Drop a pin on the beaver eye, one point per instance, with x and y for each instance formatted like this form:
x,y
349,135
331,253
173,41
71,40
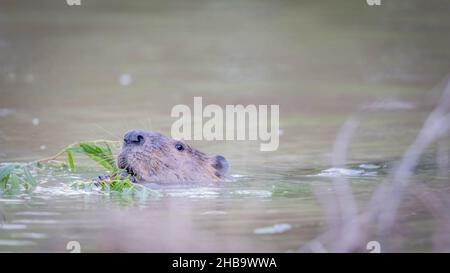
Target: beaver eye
x,y
179,147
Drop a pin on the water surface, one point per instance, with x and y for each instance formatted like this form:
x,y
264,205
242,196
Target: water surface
x,y
93,72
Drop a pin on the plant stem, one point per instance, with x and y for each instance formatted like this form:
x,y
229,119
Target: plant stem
x,y
74,144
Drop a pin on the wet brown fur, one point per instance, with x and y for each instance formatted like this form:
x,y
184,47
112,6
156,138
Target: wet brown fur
x,y
158,160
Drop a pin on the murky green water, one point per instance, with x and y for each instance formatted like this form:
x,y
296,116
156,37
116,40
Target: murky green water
x,y
60,82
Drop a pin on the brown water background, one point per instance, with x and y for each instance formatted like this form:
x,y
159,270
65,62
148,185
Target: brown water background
x,y
60,71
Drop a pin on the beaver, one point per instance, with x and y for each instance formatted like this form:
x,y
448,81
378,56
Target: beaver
x,y
153,157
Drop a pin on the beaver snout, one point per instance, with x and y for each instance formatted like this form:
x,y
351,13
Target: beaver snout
x,y
134,137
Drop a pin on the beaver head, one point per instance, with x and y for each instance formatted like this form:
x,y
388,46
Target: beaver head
x,y
152,157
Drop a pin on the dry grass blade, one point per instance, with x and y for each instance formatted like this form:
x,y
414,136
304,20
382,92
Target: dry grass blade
x,y
352,229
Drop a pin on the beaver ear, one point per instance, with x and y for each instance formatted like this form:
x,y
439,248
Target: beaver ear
x,y
220,164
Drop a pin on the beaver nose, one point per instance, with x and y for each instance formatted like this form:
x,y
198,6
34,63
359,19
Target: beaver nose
x,y
134,137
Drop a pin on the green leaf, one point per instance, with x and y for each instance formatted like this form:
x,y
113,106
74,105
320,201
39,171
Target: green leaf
x,y
103,156
5,173
14,183
6,170
28,177
70,159
4,182
29,181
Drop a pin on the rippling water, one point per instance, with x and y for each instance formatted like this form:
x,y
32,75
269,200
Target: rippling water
x,y
263,213
184,218
93,73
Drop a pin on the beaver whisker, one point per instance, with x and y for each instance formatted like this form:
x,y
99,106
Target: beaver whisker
x,y
132,167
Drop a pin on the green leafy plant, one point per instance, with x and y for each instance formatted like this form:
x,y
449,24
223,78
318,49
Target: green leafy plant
x,y
101,154
15,178
100,151
116,184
